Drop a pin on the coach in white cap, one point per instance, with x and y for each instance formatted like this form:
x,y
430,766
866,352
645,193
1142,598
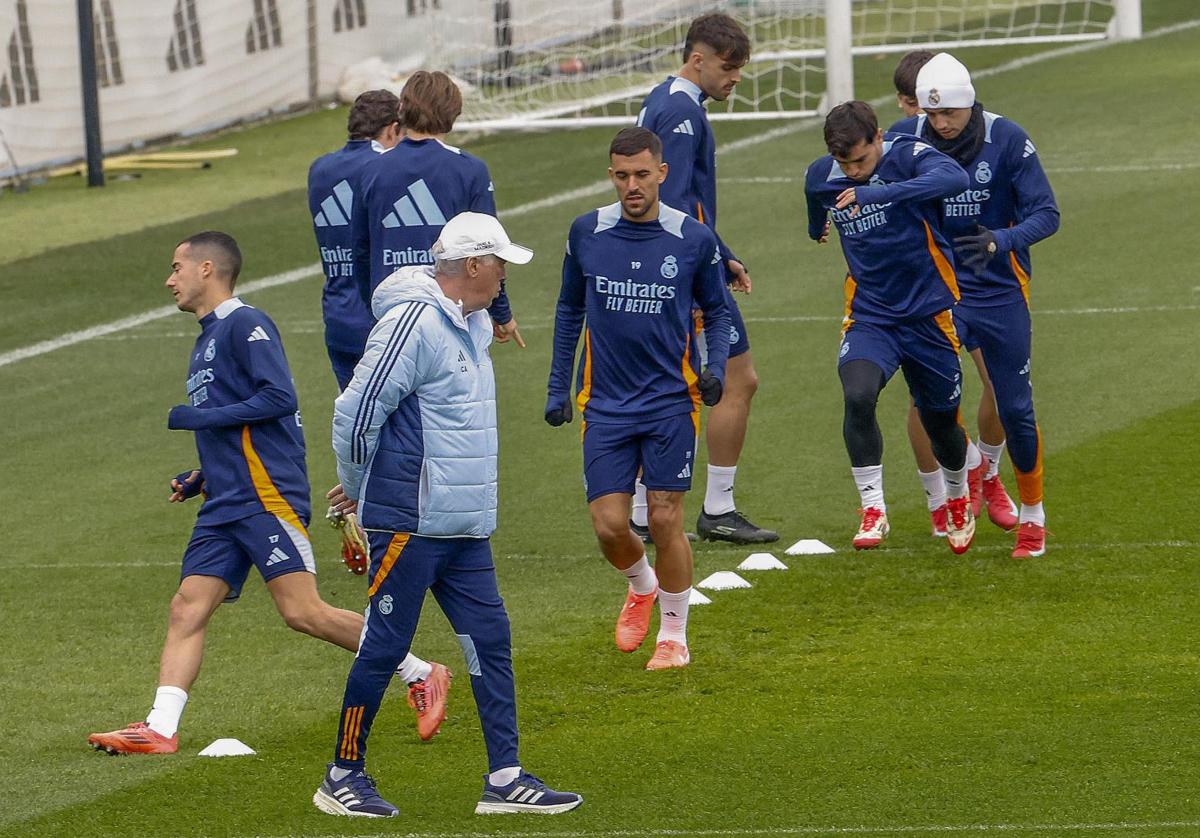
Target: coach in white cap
x,y
416,443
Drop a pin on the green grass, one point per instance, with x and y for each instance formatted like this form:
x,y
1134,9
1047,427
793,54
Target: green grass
x,y
892,690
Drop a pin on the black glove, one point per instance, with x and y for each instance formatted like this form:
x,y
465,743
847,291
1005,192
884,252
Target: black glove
x,y
710,388
558,413
189,486
977,250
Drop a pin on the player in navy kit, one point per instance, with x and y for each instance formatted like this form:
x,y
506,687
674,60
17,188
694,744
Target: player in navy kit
x,y
1007,207
714,52
883,193
982,476
632,273
374,127
408,194
242,407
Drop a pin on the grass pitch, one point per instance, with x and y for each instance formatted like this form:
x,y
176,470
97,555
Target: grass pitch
x,y
904,691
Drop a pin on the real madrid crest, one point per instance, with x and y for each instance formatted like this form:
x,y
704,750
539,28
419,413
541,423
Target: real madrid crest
x,y
983,172
669,269
210,351
934,97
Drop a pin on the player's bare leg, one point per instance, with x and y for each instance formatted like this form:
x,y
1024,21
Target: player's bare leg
x,y
303,610
725,437
673,564
625,551
183,651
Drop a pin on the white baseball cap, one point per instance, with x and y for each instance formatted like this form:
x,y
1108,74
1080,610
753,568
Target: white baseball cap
x,y
944,82
476,234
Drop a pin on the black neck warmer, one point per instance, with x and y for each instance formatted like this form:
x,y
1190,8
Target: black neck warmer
x,y
966,146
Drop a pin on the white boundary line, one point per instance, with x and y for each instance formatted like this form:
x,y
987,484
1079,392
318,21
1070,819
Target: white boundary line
x,y
934,829
880,553
597,188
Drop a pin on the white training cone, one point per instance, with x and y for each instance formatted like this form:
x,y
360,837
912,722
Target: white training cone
x,y
762,561
723,580
227,748
808,547
697,598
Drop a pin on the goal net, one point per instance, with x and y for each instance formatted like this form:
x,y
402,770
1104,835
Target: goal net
x,y
532,63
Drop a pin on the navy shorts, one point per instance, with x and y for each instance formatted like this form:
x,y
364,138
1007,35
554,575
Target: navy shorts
x,y
926,350
227,551
664,451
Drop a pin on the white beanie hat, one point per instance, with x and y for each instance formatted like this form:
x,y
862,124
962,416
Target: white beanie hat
x,y
944,83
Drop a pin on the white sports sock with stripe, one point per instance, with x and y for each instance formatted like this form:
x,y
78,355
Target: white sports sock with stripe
x,y
993,454
673,615
935,488
641,576
413,669
164,716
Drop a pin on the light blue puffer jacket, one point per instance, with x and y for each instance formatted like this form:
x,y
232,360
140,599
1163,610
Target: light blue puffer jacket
x,y
415,431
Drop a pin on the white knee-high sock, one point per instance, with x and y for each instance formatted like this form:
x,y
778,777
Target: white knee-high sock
x,y
993,454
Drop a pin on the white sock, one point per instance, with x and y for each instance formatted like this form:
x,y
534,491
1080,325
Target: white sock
x,y
869,480
641,576
1033,514
338,774
639,504
993,454
974,458
956,482
168,706
718,493
413,669
504,776
935,488
673,614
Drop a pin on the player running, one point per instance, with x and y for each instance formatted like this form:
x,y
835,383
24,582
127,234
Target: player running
x,y
883,193
631,275
714,52
1007,207
243,408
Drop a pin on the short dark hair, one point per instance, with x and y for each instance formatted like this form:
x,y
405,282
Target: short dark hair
x,y
430,102
634,140
849,124
722,33
905,77
220,249
371,112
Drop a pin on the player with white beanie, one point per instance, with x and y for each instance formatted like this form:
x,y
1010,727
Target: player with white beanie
x,y
1008,207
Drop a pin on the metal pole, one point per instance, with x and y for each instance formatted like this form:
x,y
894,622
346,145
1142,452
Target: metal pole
x,y
91,94
839,61
1127,19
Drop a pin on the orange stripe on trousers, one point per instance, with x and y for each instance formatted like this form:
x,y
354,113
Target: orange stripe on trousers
x,y
394,549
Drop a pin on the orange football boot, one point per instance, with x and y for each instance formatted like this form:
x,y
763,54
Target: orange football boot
x,y
428,698
669,654
137,738
634,620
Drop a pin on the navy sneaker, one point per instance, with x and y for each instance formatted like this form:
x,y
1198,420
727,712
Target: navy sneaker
x,y
644,533
525,794
354,795
734,527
